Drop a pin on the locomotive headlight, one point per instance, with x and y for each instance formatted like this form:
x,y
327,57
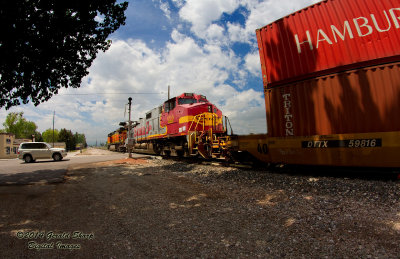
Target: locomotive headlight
x,y
209,108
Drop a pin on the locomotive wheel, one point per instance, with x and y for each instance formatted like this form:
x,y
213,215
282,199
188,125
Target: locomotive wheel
x,y
157,149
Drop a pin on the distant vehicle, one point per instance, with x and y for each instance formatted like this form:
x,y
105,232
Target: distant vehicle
x,y
30,151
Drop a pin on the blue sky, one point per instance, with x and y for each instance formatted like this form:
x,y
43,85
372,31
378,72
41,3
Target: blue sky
x,y
203,46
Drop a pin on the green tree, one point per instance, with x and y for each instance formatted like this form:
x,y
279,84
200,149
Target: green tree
x,y
47,45
16,123
80,139
67,137
47,135
38,137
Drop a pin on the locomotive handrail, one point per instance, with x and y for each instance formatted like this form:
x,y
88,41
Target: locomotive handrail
x,y
201,118
196,119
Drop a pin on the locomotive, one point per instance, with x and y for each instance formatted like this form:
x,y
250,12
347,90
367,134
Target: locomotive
x,y
184,125
116,139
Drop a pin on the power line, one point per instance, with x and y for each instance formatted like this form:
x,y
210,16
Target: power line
x,y
109,93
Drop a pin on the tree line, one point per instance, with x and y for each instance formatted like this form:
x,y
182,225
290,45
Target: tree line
x,y
16,124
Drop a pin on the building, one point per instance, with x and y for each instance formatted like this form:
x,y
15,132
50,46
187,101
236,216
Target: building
x,y
6,145
9,145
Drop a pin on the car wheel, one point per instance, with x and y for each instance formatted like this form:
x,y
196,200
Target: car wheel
x,y
28,159
57,157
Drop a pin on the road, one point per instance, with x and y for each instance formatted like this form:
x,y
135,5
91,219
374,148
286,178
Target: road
x,y
15,171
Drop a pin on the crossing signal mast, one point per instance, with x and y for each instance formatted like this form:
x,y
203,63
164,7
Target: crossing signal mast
x,y
129,138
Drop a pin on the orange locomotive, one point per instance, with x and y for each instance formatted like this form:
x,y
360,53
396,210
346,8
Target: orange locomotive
x,y
116,140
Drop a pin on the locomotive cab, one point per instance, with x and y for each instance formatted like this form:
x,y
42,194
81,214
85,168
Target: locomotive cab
x,y
180,112
169,105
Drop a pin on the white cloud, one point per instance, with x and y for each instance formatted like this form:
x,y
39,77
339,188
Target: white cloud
x,y
246,111
202,13
215,35
252,63
164,6
178,3
237,33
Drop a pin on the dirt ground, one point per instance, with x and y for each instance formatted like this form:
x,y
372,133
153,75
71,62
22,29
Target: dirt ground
x,y
92,152
156,208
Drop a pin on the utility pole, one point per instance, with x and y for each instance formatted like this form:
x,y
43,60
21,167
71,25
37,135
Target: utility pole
x,y
168,92
54,114
129,128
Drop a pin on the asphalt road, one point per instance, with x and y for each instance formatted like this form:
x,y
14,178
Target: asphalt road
x,y
15,171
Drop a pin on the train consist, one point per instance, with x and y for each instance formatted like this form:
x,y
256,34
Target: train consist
x,y
331,76
183,126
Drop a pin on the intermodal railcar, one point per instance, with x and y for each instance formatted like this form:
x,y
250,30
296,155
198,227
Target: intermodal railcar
x,y
331,75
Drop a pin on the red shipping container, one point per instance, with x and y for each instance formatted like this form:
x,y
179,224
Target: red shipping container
x,y
328,37
358,101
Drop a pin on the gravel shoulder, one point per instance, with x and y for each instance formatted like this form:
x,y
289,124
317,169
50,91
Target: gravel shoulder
x,y
160,208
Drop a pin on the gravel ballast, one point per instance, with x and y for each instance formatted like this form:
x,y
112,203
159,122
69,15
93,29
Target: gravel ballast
x,y
163,208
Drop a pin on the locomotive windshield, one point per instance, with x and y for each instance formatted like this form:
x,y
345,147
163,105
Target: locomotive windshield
x,y
186,101
169,105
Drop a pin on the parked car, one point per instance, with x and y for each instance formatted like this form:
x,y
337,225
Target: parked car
x,y
30,151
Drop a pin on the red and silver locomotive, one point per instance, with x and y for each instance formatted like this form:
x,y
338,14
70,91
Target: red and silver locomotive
x,y
184,125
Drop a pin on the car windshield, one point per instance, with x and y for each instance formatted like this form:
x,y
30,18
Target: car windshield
x,y
186,101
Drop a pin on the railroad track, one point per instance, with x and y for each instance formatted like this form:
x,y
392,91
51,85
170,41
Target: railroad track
x,y
365,173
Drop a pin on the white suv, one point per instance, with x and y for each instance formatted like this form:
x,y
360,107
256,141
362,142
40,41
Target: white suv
x,y
30,151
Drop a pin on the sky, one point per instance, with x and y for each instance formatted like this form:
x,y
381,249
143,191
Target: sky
x,y
206,47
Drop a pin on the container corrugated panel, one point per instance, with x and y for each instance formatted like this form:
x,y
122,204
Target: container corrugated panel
x,y
329,37
357,101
